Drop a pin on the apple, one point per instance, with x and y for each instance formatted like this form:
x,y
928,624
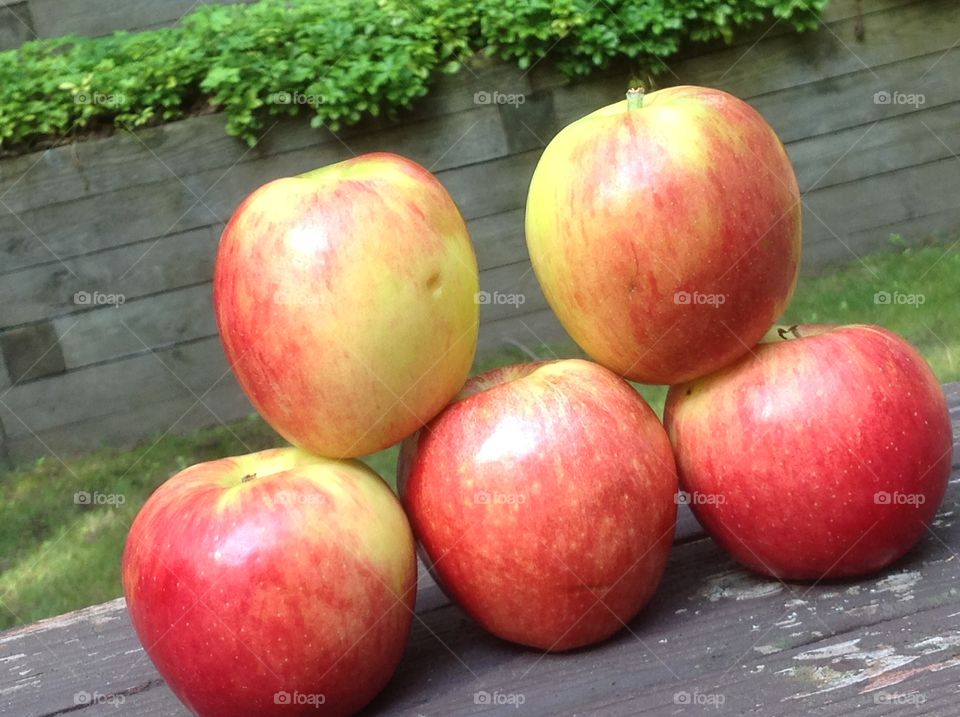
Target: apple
x,y
276,583
665,232
346,302
825,453
543,498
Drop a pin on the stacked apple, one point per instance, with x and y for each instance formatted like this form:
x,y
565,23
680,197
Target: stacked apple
x,y
665,232
283,582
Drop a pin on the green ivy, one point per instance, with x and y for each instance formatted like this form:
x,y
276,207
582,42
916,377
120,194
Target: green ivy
x,y
339,60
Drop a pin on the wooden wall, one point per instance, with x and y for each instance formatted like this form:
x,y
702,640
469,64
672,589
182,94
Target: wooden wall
x,y
24,20
140,215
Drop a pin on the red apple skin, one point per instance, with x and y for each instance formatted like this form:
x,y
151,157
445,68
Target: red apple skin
x,y
346,303
301,580
789,453
580,484
692,192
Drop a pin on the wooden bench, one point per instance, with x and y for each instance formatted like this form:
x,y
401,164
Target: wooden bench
x,y
715,640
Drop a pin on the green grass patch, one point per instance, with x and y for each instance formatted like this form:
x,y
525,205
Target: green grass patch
x,y
913,292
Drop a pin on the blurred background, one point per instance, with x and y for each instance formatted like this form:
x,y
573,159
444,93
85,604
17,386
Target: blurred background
x,y
129,132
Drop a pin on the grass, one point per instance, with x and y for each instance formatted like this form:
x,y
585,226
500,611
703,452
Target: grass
x,y
931,275
57,555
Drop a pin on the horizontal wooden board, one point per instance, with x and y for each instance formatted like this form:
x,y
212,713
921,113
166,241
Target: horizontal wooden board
x,y
178,204
132,270
855,213
200,144
915,230
545,75
499,238
779,61
132,422
53,18
108,333
457,92
51,235
16,25
106,389
530,330
884,145
789,60
848,100
509,291
504,181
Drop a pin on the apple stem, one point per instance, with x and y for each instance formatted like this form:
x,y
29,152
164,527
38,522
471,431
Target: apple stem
x,y
635,97
248,477
783,331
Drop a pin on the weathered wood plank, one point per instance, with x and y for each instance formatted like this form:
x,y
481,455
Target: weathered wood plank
x,y
135,214
53,18
853,219
173,317
130,423
178,204
885,145
532,330
200,144
891,35
498,238
899,33
92,654
505,182
545,75
105,389
152,288
186,314
16,25
132,270
897,178
847,100
458,92
509,291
